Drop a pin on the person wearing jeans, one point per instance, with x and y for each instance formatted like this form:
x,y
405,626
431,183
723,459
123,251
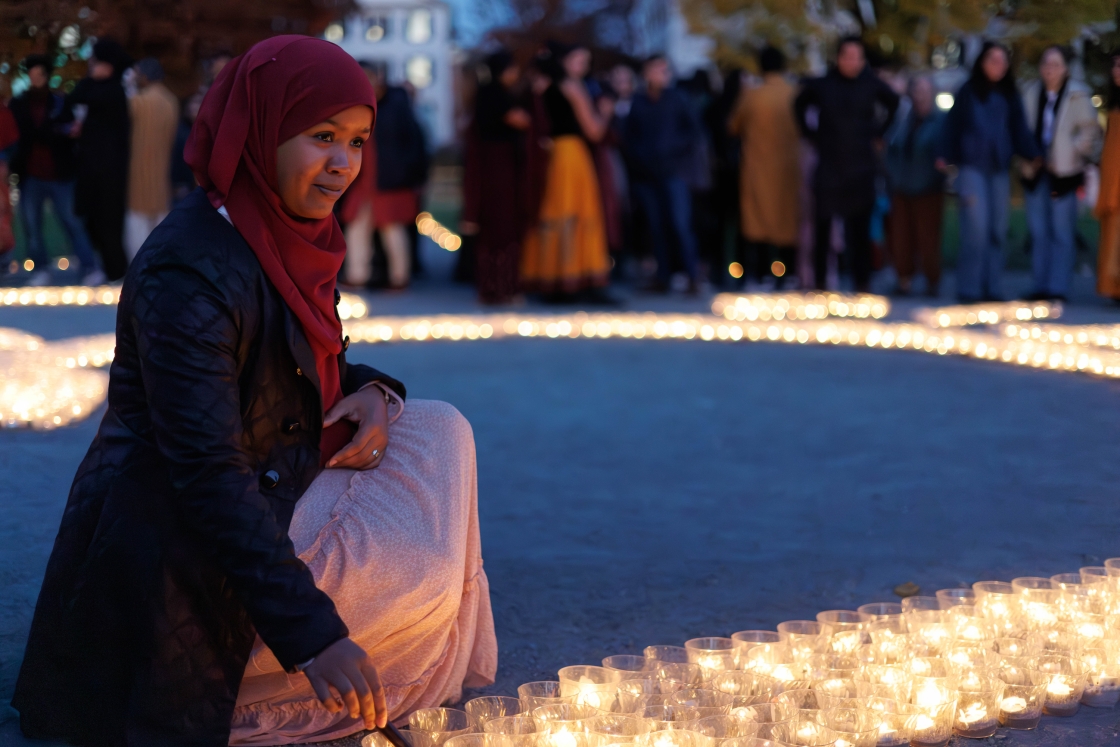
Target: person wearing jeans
x,y
44,161
34,193
1061,114
983,130
659,138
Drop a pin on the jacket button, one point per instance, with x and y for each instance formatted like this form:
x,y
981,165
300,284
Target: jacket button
x,y
345,343
299,372
290,425
270,479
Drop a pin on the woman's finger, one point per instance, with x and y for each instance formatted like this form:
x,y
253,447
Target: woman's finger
x,y
374,680
365,695
349,697
324,694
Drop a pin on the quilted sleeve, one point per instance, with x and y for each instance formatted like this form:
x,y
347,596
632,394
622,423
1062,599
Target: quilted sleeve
x,y
187,336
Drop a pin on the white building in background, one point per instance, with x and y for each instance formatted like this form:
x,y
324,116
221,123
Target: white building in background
x,y
413,38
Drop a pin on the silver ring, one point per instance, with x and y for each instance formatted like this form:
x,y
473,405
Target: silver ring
x,y
375,454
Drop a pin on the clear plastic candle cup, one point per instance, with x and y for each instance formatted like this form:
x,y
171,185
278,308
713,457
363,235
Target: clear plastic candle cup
x,y
432,727
490,707
979,695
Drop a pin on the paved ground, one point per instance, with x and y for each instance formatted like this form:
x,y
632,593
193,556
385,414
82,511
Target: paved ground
x,y
638,492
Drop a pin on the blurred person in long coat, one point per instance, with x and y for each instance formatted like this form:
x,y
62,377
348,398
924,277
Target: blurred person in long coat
x,y
1061,115
101,113
494,179
917,190
386,195
770,171
853,110
1107,209
154,113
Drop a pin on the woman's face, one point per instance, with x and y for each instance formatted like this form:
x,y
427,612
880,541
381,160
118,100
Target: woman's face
x,y
577,63
315,167
995,64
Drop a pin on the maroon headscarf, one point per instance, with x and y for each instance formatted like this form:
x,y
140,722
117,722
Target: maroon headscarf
x,y
261,99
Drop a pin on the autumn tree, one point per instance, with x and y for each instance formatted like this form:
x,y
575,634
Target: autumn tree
x,y
178,32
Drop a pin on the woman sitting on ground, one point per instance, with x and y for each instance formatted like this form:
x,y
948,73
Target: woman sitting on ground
x,y
211,582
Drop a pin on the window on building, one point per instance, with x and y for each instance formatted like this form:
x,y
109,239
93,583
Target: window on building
x,y
418,71
377,29
419,27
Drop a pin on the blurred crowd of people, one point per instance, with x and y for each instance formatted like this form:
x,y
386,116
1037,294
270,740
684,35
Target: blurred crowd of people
x,y
573,181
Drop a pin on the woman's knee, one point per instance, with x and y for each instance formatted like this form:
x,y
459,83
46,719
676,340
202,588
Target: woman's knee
x,y
444,419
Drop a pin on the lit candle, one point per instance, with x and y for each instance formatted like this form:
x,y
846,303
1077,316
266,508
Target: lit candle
x,y
1013,705
1058,689
973,713
562,739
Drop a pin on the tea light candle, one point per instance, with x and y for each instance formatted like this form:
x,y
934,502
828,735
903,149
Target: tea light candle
x,y
1062,697
1103,691
928,733
974,722
1021,706
889,737
1103,687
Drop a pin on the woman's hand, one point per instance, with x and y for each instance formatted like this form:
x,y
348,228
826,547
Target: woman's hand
x,y
344,677
369,410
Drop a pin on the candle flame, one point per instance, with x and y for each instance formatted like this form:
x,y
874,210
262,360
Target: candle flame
x,y
973,713
1058,688
1013,705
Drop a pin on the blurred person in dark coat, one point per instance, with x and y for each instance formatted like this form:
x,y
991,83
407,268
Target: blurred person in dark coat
x,y
103,132
44,162
660,140
853,110
917,190
494,180
984,131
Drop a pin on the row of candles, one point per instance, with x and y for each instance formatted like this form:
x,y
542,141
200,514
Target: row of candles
x,y
36,395
964,662
350,305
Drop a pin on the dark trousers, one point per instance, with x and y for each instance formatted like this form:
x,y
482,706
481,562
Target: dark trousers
x,y
857,247
103,212
914,235
669,198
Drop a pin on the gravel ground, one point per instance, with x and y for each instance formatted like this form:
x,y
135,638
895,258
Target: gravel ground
x,y
640,492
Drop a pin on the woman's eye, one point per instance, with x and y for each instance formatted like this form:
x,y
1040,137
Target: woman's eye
x,y
357,142
326,137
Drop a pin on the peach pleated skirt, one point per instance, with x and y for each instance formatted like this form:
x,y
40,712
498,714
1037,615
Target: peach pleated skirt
x,y
567,249
398,550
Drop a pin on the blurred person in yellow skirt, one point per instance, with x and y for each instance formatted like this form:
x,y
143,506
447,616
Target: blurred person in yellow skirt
x,y
566,254
1108,201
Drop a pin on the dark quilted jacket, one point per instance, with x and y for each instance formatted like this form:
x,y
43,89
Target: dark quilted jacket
x,y
173,550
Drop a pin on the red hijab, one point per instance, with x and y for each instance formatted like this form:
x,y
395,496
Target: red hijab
x,y
261,99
